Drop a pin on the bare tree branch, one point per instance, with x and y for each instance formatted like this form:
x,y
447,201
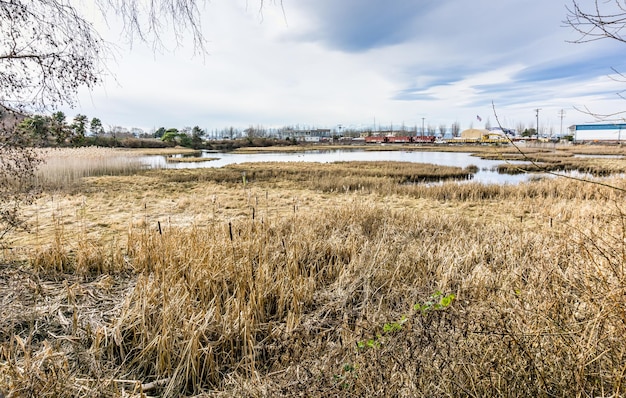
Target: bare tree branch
x,y
605,19
600,19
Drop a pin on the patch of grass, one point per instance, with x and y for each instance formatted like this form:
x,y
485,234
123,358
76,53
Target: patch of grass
x,y
63,169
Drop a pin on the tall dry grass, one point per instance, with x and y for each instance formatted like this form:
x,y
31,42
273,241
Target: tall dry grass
x,y
277,306
64,168
320,301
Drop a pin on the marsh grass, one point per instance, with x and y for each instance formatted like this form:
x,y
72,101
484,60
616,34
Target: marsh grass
x,y
251,301
337,176
63,169
559,163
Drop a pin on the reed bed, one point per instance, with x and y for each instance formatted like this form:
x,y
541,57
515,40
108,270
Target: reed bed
x,y
558,162
595,149
445,290
359,172
64,168
389,178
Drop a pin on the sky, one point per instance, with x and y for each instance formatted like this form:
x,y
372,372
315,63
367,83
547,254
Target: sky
x,y
363,64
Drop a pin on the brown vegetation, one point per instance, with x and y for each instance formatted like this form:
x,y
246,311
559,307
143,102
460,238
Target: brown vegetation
x,y
191,159
344,279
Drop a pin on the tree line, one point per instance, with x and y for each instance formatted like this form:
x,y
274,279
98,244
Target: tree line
x,y
56,130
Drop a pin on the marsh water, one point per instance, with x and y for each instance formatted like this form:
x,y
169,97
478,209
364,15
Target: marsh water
x,y
486,168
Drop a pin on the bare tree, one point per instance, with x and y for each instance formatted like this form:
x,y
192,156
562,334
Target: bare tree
x,y
443,129
455,129
48,49
597,20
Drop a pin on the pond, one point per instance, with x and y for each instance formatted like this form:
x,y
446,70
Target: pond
x,y
486,168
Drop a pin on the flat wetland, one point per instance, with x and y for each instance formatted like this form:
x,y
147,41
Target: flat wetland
x,y
317,279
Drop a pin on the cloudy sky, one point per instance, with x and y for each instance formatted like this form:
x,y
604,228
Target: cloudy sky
x,y
354,63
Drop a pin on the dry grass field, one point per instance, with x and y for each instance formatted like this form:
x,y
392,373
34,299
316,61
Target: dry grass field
x,y
316,280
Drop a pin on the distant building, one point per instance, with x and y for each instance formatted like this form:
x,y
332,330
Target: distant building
x,y
605,133
481,135
503,131
309,135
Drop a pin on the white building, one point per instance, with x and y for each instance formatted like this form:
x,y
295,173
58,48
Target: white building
x,y
606,133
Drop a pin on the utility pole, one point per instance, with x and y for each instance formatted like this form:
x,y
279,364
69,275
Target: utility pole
x,y
537,111
562,115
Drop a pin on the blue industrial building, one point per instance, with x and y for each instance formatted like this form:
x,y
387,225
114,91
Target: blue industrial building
x,y
605,133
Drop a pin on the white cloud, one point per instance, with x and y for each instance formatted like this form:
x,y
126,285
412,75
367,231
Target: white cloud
x,y
447,62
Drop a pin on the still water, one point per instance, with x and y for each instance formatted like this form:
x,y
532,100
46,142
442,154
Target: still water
x,y
486,174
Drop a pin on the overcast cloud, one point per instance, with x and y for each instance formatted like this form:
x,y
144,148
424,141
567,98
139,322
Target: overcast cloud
x,y
355,62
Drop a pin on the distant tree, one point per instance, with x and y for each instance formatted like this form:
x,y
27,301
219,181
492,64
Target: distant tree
x,y
95,127
488,124
159,133
261,131
170,135
403,128
145,134
198,132
196,136
58,127
137,132
455,129
250,132
443,129
38,128
117,131
230,132
79,129
184,139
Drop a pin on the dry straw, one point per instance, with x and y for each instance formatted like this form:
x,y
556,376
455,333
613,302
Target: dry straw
x,y
341,296
64,168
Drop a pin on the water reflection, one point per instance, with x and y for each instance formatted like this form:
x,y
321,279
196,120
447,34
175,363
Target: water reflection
x,y
486,168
